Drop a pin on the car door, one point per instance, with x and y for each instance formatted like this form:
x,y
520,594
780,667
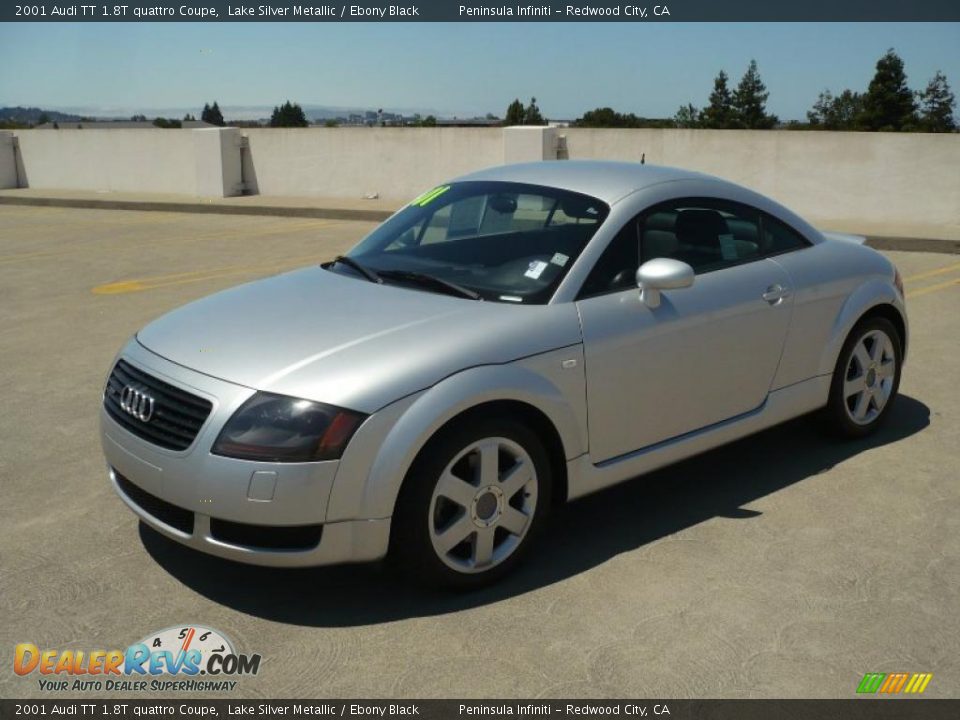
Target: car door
x,y
708,353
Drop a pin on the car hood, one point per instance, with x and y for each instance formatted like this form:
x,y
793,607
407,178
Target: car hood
x,y
319,335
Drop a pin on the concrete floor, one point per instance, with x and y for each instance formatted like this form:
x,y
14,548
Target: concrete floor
x,y
782,566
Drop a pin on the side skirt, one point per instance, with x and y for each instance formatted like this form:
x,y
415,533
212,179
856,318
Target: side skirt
x,y
781,405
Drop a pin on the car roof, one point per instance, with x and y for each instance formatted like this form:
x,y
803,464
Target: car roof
x,y
606,180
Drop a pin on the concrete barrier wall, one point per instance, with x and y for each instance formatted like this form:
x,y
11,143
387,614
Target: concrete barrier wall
x,y
874,183
159,161
395,163
832,178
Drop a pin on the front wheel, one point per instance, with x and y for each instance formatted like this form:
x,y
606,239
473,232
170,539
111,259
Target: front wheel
x,y
472,503
866,378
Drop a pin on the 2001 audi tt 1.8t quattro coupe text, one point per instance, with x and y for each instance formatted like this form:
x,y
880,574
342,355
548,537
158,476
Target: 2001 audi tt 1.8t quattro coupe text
x,y
516,338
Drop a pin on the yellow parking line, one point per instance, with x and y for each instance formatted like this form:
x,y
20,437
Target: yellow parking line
x,y
933,288
933,273
150,283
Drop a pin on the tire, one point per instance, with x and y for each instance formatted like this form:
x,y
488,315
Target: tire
x,y
865,380
457,524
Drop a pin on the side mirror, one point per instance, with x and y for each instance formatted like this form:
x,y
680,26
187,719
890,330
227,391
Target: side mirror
x,y
662,274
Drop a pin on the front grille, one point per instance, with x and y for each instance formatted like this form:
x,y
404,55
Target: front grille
x,y
168,513
267,537
177,415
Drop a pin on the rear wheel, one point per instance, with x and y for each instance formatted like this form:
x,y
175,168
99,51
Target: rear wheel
x,y
866,378
472,503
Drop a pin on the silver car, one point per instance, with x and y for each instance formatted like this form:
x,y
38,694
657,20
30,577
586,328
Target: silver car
x,y
513,339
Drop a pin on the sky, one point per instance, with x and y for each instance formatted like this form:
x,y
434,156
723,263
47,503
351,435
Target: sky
x,y
461,69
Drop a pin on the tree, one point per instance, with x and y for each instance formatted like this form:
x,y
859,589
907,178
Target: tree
x,y
514,114
138,118
288,115
211,114
604,117
719,113
429,121
167,123
532,116
750,102
43,119
189,118
842,112
936,105
888,104
687,117
331,122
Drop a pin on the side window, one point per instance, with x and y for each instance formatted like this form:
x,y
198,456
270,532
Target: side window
x,y
779,238
617,267
706,234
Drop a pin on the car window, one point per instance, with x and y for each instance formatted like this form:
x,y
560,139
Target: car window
x,y
780,238
617,267
705,234
510,242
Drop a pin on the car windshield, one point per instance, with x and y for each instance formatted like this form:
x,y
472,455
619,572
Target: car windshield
x,y
506,242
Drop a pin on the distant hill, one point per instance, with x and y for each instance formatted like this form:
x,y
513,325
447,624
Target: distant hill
x,y
32,115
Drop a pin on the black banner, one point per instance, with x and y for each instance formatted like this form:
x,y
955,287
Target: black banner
x,y
855,708
485,11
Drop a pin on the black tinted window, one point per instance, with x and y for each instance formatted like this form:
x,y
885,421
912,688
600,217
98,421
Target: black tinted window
x,y
617,267
780,238
705,234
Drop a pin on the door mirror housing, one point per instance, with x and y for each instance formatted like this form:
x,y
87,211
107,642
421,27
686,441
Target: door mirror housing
x,y
662,274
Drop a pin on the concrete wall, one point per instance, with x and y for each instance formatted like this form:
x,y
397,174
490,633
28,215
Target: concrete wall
x,y
875,183
160,161
829,177
394,163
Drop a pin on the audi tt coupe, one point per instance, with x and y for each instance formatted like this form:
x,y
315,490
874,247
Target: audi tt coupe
x,y
513,339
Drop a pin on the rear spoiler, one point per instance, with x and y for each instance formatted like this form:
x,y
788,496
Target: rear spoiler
x,y
844,237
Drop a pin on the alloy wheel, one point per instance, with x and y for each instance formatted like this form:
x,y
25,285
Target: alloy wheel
x,y
869,378
483,505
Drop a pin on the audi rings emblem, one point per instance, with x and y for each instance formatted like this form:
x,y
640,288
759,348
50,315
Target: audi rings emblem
x,y
136,402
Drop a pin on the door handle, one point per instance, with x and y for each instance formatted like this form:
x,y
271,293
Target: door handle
x,y
776,293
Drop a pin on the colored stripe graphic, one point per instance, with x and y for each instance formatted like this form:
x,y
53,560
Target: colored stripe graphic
x,y
871,682
918,683
894,683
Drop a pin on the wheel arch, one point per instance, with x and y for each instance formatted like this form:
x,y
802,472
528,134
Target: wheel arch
x,y
528,414
875,298
891,313
372,492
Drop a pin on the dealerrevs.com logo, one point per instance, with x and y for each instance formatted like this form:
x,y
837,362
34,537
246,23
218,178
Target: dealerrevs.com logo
x,y
180,658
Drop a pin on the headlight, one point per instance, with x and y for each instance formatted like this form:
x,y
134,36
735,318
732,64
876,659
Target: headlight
x,y
278,428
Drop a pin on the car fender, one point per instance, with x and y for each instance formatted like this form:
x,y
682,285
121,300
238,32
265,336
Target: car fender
x,y
372,494
870,294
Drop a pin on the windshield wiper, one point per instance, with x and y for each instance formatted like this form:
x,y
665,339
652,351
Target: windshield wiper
x,y
425,280
362,269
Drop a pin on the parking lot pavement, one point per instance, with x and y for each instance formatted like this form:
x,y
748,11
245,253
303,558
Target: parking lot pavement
x,y
784,565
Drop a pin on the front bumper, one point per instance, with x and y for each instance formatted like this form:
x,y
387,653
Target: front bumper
x,y
338,542
253,512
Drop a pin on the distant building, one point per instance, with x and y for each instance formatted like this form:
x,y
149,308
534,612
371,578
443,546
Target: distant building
x,y
115,125
469,122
